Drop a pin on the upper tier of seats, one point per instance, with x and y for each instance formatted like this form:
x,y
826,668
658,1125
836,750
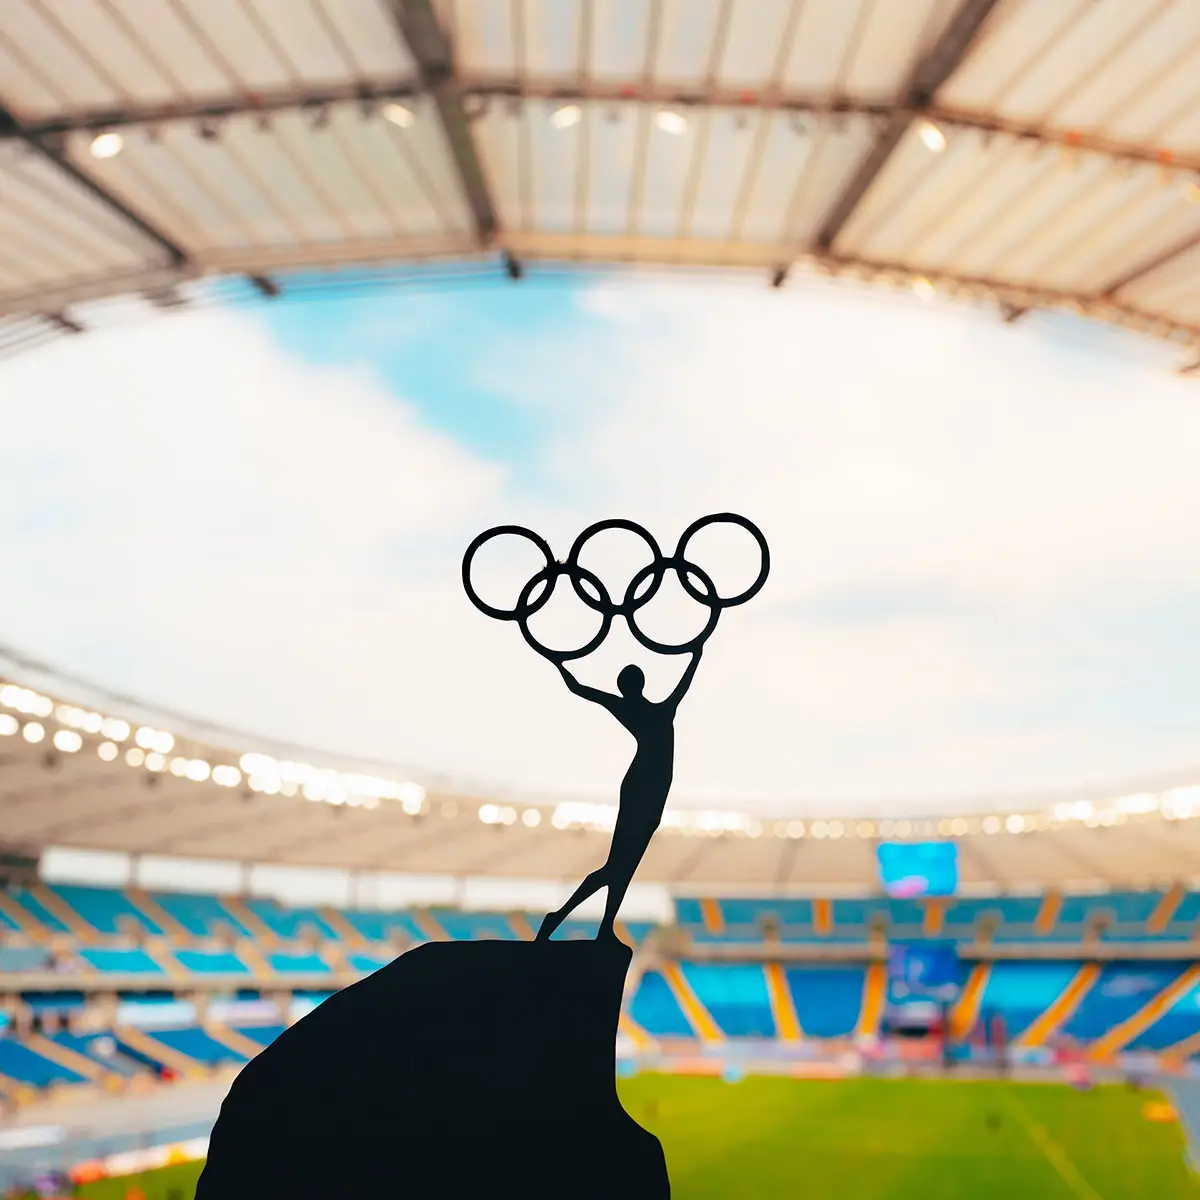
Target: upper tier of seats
x,y
71,928
1168,916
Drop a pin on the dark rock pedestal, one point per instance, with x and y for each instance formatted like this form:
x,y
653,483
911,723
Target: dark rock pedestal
x,y
461,1069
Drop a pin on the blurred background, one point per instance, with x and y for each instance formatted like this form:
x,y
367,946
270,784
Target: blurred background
x,y
297,298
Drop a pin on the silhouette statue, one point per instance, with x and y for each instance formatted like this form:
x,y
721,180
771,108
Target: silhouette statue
x,y
470,1069
647,783
643,790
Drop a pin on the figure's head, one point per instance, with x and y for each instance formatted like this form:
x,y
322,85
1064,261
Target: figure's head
x,y
631,680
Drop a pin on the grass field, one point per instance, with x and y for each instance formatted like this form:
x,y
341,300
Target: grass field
x,y
862,1139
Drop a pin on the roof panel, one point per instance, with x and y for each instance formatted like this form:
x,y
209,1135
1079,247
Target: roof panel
x,y
612,152
840,146
1171,285
788,143
370,34
551,33
1017,39
34,35
668,160
690,37
730,137
620,29
238,46
888,41
173,41
554,169
825,45
500,134
755,167
24,87
486,36
758,39
306,34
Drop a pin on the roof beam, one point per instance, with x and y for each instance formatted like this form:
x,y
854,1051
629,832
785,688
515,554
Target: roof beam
x,y
52,149
430,46
501,88
933,69
1151,265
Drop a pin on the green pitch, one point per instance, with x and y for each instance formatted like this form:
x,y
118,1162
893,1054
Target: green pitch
x,y
863,1139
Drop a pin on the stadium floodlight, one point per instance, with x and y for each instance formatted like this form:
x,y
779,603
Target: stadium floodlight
x,y
67,740
566,116
115,729
932,136
531,818
489,814
226,776
107,144
107,751
8,724
397,114
924,288
672,122
135,756
155,761
33,732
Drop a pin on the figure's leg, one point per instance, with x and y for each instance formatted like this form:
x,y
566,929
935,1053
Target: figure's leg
x,y
591,884
622,863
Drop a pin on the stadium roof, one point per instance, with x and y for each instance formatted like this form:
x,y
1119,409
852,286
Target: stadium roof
x,y
1018,153
84,769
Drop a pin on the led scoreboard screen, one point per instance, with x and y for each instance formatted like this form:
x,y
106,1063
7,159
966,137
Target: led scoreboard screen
x,y
918,868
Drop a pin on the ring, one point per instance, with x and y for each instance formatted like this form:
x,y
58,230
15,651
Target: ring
x,y
602,603
505,614
682,568
755,533
526,610
601,527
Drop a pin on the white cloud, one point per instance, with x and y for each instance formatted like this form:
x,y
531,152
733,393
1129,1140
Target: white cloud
x,y
198,517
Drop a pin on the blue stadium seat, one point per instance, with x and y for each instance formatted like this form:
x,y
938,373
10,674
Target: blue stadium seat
x,y
735,995
379,926
827,999
1188,912
687,911
130,961
298,964
32,905
1180,1021
211,962
366,962
656,1010
18,1062
196,1044
289,922
638,930
1122,990
465,926
1019,992
105,909
88,1044
200,915
263,1034
24,958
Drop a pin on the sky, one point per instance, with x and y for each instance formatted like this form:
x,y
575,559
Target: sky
x,y
984,580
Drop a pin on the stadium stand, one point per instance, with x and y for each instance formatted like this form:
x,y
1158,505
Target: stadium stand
x,y
1111,972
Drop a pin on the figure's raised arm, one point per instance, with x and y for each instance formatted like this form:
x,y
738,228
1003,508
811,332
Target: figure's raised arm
x,y
685,682
595,695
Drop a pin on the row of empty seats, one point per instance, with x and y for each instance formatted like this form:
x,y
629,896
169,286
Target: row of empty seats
x,y
97,914
1166,915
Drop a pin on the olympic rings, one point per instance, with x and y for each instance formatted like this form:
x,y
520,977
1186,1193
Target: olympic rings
x,y
601,602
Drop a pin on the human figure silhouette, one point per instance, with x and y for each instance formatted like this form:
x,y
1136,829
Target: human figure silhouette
x,y
643,790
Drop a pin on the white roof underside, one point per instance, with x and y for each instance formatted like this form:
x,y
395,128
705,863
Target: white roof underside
x,y
80,798
255,145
